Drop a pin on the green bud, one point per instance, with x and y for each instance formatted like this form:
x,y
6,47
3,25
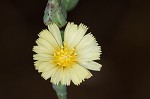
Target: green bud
x,y
69,4
54,13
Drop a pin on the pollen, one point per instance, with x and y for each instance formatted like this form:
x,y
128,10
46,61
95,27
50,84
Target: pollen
x,y
65,57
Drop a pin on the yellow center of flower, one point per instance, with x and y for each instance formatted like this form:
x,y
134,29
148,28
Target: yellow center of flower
x,y
65,56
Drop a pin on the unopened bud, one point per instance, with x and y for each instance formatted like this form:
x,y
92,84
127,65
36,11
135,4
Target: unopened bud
x,y
54,13
69,4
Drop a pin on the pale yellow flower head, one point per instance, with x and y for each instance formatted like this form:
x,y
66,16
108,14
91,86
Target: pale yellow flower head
x,y
68,60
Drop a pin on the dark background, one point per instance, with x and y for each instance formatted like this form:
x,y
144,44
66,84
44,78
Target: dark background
x,y
122,28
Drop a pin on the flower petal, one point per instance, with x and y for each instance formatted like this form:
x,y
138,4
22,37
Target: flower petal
x,y
43,66
79,34
65,80
91,65
53,28
46,35
43,57
88,49
74,77
74,34
46,75
41,50
78,74
66,32
89,43
88,57
56,78
42,42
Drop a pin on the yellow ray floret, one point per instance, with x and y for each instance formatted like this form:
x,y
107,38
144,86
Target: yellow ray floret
x,y
68,60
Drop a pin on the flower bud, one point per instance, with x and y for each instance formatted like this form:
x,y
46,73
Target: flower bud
x,y
54,13
69,4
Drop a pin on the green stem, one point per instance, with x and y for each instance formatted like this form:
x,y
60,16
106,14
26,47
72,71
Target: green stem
x,y
61,91
62,97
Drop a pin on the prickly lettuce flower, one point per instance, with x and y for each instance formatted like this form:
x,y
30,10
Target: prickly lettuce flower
x,y
67,60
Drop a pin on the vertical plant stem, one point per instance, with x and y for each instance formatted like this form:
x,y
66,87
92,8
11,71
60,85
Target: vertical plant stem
x,y
61,91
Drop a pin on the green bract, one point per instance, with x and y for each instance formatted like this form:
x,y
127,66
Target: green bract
x,y
69,4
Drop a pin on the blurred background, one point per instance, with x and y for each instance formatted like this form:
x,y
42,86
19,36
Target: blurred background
x,y
122,28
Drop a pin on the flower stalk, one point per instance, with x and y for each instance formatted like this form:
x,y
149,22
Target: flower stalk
x,y
61,91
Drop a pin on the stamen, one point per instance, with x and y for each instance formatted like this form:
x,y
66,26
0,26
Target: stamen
x,y
65,56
